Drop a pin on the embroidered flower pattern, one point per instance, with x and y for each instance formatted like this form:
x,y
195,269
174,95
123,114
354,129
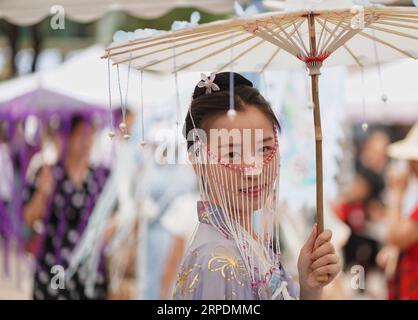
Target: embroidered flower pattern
x,y
230,267
188,278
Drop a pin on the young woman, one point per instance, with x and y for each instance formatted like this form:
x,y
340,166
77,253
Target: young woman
x,y
235,154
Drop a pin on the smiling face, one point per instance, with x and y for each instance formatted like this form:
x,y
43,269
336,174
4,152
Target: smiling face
x,y
242,163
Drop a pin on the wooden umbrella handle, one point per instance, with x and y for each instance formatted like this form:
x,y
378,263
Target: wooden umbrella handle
x,y
314,71
318,164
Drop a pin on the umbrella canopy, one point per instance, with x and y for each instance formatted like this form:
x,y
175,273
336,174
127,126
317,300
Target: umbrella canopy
x,y
273,40
27,12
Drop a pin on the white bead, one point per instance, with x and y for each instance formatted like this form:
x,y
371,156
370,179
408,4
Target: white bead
x,y
111,134
365,126
231,114
126,136
122,126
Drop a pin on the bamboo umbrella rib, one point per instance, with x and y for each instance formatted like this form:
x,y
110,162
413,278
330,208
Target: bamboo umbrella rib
x,y
385,43
321,34
216,26
276,52
395,11
216,52
280,41
330,36
342,35
343,39
398,33
345,46
170,41
289,38
152,39
213,53
159,39
251,48
270,59
180,45
399,20
196,48
296,28
351,53
241,55
395,25
397,16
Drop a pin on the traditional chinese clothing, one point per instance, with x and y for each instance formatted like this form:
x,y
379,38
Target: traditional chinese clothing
x,y
213,268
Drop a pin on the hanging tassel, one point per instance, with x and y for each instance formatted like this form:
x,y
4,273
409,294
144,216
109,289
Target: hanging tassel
x,y
111,127
124,104
176,84
142,142
231,112
364,125
383,97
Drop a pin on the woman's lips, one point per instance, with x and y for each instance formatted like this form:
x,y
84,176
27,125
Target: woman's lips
x,y
252,191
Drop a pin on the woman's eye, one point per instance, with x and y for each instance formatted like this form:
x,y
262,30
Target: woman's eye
x,y
233,155
230,156
266,149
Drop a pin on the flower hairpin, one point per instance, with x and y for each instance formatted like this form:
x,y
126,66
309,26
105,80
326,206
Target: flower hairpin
x,y
208,83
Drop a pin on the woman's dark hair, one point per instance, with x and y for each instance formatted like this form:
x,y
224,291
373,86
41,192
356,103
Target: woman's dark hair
x,y
204,105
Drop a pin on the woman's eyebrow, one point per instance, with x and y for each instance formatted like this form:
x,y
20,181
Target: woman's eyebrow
x,y
232,144
267,139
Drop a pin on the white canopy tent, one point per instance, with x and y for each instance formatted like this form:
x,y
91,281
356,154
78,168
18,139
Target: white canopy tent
x,y
85,77
27,12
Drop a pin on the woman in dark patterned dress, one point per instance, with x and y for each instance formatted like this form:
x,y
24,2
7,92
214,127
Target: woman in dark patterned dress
x,y
58,204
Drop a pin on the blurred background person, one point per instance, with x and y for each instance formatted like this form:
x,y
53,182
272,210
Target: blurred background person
x,y
361,207
181,221
402,215
59,201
